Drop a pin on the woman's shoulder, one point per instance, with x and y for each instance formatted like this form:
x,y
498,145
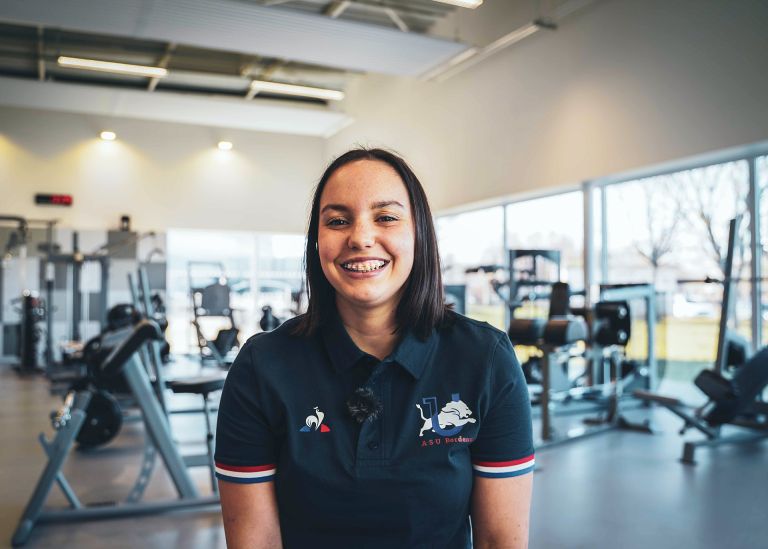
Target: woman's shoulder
x,y
275,352
277,339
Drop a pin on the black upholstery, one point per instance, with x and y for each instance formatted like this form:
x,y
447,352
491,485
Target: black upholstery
x,y
560,300
196,385
564,331
526,331
748,382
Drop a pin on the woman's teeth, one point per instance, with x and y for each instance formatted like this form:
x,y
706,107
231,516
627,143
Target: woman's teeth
x,y
364,266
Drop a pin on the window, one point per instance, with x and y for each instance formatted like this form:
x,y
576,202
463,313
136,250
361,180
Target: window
x,y
468,241
672,230
761,176
261,270
551,223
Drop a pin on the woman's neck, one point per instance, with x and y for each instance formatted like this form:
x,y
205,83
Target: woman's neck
x,y
372,330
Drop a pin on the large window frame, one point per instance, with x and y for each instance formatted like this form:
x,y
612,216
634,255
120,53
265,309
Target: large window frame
x,y
595,261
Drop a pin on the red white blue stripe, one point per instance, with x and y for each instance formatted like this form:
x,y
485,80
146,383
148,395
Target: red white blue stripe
x,y
503,469
244,474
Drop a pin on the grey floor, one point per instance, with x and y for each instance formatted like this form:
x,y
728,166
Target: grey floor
x,y
615,490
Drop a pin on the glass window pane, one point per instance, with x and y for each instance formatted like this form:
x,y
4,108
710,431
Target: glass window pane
x,y
279,274
261,269
552,223
469,240
762,188
674,228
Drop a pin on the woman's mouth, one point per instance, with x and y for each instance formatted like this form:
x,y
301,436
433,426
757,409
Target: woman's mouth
x,y
364,266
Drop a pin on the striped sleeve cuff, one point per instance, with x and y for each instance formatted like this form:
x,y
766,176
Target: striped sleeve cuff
x,y
245,475
503,469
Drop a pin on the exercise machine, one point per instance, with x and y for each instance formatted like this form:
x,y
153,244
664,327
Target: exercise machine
x,y
212,300
556,338
732,401
73,417
25,339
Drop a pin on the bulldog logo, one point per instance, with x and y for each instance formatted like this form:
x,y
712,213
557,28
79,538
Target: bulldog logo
x,y
449,421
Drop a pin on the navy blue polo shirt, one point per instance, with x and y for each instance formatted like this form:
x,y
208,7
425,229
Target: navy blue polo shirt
x,y
453,407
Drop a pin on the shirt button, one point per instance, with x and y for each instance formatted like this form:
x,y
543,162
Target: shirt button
x,y
373,445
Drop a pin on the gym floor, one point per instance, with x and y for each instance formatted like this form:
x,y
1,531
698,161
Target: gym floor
x,y
618,489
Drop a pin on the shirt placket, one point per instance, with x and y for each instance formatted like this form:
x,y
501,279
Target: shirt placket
x,y
370,443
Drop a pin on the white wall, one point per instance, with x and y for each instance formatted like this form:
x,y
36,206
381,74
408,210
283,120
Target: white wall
x,y
623,85
163,175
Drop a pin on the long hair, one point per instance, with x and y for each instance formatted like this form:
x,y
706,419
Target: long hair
x,y
422,304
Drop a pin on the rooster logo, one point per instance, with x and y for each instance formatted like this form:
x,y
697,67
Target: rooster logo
x,y
314,422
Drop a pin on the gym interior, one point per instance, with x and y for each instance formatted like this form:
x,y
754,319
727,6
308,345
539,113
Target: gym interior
x,y
598,175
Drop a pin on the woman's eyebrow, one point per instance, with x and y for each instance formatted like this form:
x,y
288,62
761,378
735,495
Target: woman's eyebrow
x,y
374,206
385,204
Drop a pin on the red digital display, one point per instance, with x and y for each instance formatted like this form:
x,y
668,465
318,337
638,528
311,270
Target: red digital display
x,y
54,199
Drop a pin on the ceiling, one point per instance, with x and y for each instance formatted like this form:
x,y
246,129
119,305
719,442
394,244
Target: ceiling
x,y
213,49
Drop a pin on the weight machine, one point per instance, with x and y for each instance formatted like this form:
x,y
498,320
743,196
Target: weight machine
x,y
32,308
735,401
77,414
212,300
608,332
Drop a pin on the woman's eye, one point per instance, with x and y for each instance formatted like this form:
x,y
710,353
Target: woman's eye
x,y
387,218
336,222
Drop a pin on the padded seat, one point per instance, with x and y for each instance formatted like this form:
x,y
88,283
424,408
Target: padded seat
x,y
526,331
196,385
565,330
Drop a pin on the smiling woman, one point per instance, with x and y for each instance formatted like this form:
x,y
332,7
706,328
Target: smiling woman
x,y
366,241
380,418
386,185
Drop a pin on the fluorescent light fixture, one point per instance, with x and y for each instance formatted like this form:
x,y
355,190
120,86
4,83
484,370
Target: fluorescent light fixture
x,y
292,89
108,66
225,145
108,136
471,4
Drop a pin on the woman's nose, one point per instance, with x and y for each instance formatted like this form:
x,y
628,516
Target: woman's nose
x,y
361,236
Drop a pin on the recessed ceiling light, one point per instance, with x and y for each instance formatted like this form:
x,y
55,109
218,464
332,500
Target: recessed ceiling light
x,y
108,66
471,4
225,145
108,136
293,89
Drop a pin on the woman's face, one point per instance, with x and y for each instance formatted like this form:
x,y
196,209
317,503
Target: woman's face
x,y
366,234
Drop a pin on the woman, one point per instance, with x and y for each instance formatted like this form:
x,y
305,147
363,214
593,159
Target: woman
x,y
379,418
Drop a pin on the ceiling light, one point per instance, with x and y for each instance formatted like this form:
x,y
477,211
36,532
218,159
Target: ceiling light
x,y
108,136
225,145
471,4
292,89
108,66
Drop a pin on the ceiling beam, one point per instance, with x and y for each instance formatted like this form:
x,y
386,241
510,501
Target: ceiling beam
x,y
266,115
40,54
336,8
396,19
163,64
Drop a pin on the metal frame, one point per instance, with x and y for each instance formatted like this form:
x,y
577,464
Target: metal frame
x,y
646,292
158,431
613,419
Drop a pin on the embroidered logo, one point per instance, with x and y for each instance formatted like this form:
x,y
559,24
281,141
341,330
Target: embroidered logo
x,y
314,422
449,420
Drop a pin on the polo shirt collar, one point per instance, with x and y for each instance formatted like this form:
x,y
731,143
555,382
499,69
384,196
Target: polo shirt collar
x,y
411,353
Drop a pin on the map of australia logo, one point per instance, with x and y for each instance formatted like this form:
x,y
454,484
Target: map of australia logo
x,y
447,421
314,422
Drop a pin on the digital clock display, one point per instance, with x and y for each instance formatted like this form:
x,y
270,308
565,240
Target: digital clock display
x,y
54,199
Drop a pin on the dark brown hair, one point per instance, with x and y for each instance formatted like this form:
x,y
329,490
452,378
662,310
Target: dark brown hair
x,y
422,304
